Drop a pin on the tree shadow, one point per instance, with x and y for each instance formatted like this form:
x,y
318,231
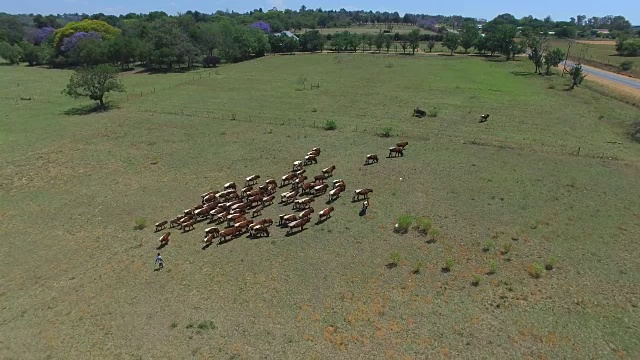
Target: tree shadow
x,y
88,109
523,73
391,265
495,59
161,71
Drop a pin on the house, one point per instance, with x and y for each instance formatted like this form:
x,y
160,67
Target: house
x,y
602,31
288,33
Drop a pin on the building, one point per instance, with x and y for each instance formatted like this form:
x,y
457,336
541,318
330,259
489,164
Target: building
x,y
602,31
287,33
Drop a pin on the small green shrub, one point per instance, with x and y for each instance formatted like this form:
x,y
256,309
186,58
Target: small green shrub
x,y
141,223
435,234
314,110
535,270
488,245
626,65
506,248
206,325
394,260
190,325
404,223
493,267
417,268
433,112
330,125
448,265
174,325
476,280
550,264
423,225
386,132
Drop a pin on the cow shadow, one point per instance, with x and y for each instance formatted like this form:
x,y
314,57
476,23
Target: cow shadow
x,y
323,220
206,246
294,233
162,246
363,212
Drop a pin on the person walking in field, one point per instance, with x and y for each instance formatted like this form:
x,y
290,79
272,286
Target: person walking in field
x,y
160,262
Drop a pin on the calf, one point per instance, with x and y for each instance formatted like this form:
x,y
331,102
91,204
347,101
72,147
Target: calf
x,y
161,225
310,159
396,151
361,192
371,158
252,180
326,213
164,239
297,224
329,171
402,144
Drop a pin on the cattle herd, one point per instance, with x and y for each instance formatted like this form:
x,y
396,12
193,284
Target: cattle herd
x,y
227,210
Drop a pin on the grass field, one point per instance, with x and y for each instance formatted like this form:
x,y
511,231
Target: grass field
x,y
78,280
603,53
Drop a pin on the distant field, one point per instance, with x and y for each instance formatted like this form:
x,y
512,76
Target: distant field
x,y
603,52
78,280
370,29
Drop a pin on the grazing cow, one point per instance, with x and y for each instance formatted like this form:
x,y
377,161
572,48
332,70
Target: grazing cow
x,y
419,113
243,226
255,200
298,224
319,190
252,180
297,165
335,193
396,151
164,239
189,225
268,200
320,178
287,179
263,222
212,230
271,182
259,230
307,213
233,217
484,118
361,192
161,225
371,158
230,186
257,211
310,159
402,144
326,213
287,218
241,206
339,183
245,190
291,197
209,199
224,234
208,239
329,171
299,181
175,221
303,203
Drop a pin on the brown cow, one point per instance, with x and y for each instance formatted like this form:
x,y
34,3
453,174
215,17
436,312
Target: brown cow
x,y
307,213
233,217
396,151
287,218
329,171
243,226
257,211
361,192
309,159
326,213
287,179
252,180
161,225
298,224
297,165
303,203
175,221
259,230
402,144
263,222
208,239
208,193
321,189
241,206
335,193
316,150
245,190
224,234
371,158
301,172
211,230
320,178
271,182
339,183
164,239
189,225
210,199
313,153
268,200
230,186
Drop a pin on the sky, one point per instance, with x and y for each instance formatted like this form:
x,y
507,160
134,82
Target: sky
x,y
488,9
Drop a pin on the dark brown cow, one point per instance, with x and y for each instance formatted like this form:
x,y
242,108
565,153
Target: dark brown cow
x,y
268,200
396,151
335,193
402,144
321,178
208,239
271,182
484,117
339,183
321,189
310,159
164,239
230,186
161,225
371,158
361,192
326,213
208,193
298,224
329,171
287,179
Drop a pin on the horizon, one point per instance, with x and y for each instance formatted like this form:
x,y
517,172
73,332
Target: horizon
x,y
466,8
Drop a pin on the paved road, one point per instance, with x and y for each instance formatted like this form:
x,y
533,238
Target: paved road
x,y
622,80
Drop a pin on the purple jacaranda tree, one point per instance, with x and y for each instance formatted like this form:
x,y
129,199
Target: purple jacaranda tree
x,y
262,26
72,41
43,34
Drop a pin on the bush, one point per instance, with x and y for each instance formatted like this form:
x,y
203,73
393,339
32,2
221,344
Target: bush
x,y
174,325
476,280
535,270
506,248
488,245
206,325
417,268
435,233
550,264
404,223
626,65
493,267
395,259
141,223
433,112
423,225
330,125
386,132
448,265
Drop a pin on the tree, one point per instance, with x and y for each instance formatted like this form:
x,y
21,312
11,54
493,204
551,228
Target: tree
x,y
369,39
106,31
451,41
577,75
414,40
11,53
94,82
553,58
404,44
388,41
503,40
431,44
481,44
122,50
379,41
536,45
468,36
